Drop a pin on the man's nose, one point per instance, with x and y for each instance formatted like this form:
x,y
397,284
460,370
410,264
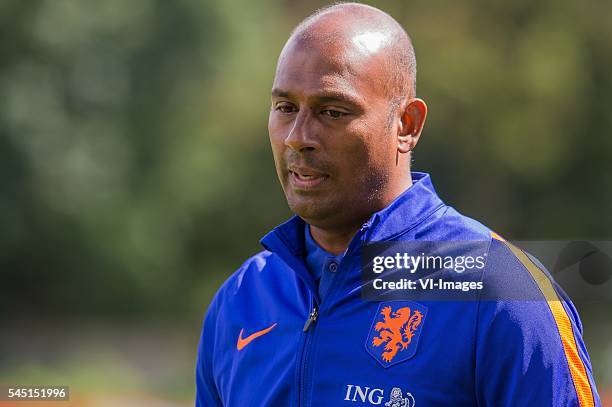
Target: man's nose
x,y
301,137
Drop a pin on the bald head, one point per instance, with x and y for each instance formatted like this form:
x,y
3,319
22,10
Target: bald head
x,y
368,32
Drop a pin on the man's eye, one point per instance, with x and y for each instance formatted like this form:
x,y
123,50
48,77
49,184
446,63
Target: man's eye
x,y
284,108
335,114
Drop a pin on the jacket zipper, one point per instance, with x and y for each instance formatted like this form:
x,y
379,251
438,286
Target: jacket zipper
x,y
305,354
312,318
308,331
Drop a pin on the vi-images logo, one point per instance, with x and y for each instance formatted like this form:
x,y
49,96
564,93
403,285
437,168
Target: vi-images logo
x,y
376,396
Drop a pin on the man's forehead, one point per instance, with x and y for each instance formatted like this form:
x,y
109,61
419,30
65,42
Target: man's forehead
x,y
316,55
307,79
316,71
311,67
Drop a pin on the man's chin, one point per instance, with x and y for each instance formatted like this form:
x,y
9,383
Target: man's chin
x,y
312,211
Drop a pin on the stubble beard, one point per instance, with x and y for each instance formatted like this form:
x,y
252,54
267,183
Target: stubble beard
x,y
341,211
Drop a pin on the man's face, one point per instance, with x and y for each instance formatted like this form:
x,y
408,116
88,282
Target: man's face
x,y
331,137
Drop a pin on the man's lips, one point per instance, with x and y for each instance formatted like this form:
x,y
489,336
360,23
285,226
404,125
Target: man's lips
x,y
305,178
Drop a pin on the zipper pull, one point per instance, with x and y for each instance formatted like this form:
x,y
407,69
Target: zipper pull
x,y
312,318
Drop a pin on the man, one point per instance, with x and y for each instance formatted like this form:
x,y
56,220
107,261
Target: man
x,y
290,327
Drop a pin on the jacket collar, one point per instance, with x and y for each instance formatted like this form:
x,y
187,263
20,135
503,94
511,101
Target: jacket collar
x,y
404,213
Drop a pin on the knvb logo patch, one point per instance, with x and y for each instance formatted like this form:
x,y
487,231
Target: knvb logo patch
x,y
395,331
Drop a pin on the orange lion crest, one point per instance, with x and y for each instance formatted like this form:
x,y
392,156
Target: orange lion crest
x,y
396,331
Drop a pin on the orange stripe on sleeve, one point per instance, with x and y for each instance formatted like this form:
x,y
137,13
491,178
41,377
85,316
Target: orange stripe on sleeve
x,y
564,325
497,237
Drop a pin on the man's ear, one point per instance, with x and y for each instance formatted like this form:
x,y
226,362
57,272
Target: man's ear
x,y
411,125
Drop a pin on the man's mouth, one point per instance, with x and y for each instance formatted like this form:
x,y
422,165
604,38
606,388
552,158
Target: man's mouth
x,y
305,178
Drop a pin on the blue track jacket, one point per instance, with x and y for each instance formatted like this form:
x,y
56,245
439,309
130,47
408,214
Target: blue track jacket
x,y
268,340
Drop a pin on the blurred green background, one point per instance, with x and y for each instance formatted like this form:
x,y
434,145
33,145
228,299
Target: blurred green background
x,y
136,173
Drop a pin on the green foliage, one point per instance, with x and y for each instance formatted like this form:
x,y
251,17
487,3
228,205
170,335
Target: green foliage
x,y
135,171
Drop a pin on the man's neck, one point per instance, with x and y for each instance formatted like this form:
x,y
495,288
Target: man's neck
x,y
336,241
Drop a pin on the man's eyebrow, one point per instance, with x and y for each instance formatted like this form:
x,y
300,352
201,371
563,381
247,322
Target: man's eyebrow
x,y
280,93
323,96
338,97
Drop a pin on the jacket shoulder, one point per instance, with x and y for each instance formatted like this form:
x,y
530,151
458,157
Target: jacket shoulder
x,y
449,224
257,267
